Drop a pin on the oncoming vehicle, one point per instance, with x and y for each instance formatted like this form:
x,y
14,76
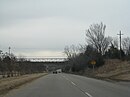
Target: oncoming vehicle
x,y
54,72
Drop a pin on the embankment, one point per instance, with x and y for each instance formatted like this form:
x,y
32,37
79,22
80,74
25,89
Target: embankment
x,y
7,84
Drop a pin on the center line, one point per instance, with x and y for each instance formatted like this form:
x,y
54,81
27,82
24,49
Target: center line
x,y
73,83
88,94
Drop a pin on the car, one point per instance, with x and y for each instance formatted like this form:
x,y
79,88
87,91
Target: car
x,y
59,71
54,72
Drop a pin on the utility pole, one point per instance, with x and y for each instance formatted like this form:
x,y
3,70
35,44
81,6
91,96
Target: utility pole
x,y
120,34
9,51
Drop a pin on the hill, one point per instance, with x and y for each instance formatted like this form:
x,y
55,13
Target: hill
x,y
113,69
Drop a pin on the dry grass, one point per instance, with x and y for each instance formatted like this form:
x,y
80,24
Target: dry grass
x,y
114,69
7,84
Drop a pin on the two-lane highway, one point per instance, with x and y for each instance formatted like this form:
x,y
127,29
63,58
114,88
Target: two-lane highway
x,y
68,85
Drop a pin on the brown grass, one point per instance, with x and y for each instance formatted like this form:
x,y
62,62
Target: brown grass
x,y
7,84
114,69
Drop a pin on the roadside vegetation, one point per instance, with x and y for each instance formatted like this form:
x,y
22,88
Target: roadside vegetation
x,y
10,83
15,71
11,66
114,69
99,48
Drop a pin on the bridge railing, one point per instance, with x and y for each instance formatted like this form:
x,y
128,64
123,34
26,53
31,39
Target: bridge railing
x,y
46,59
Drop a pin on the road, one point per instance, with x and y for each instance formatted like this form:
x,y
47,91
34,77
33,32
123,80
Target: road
x,y
68,85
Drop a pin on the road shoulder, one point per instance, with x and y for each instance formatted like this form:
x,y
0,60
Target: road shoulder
x,y
8,84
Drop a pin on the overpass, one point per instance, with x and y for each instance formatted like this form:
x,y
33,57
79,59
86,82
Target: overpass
x,y
46,59
51,63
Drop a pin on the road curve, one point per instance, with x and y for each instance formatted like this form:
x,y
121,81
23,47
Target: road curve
x,y
68,85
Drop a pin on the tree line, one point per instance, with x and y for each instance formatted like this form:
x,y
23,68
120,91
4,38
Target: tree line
x,y
11,66
98,48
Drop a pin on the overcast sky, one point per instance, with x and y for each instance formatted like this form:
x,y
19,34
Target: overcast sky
x,y
45,27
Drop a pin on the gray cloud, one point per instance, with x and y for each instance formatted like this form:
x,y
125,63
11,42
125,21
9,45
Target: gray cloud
x,y
52,24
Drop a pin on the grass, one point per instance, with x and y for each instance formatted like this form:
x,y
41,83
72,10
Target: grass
x,y
114,69
7,84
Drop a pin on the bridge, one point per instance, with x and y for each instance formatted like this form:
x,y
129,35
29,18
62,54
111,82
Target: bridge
x,y
46,59
51,63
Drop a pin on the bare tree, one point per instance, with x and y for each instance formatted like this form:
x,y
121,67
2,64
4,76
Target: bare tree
x,y
115,42
96,37
82,48
71,51
0,55
67,52
126,45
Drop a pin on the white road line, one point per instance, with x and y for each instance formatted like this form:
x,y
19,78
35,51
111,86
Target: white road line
x,y
73,83
88,94
66,78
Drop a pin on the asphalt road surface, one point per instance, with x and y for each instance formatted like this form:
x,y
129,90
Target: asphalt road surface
x,y
68,85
